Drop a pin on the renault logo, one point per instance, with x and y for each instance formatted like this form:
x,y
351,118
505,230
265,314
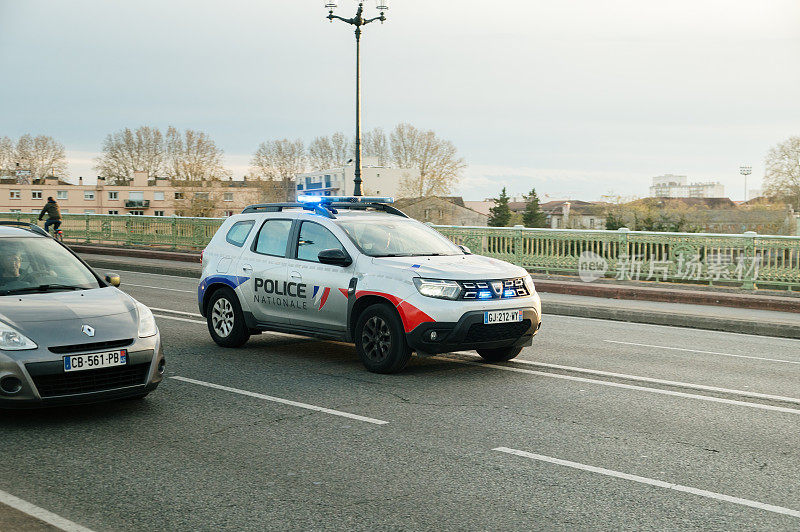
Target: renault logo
x,y
88,330
497,286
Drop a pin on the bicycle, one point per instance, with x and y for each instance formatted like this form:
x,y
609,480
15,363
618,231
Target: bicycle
x,y
57,233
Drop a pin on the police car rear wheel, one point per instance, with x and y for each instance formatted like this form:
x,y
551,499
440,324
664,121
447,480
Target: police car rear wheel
x,y
499,354
225,320
380,340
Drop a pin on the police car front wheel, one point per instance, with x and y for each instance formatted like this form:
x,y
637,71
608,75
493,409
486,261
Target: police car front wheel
x,y
380,340
225,319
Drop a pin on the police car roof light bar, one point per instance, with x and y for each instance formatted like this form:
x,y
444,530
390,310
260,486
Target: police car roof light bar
x,y
326,208
309,198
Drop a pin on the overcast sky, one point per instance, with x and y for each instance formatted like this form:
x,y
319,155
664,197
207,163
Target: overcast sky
x,y
575,97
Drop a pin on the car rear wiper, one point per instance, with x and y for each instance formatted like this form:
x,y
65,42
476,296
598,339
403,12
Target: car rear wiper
x,y
40,288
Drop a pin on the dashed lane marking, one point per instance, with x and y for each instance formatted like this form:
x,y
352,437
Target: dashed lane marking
x,y
784,361
653,482
40,513
179,319
612,384
282,401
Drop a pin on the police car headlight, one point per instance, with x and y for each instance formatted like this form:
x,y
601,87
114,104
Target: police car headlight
x,y
529,284
437,288
13,340
147,323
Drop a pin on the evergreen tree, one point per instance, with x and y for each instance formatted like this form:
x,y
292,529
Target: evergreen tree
x,y
500,214
533,215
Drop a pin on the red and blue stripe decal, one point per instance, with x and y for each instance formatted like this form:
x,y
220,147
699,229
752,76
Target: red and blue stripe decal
x,y
410,315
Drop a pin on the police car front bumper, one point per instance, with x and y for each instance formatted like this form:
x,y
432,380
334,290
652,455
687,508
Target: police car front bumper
x,y
470,332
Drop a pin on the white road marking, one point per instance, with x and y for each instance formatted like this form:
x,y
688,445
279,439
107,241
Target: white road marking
x,y
624,386
662,381
153,274
705,352
40,513
283,401
179,319
159,288
194,314
653,482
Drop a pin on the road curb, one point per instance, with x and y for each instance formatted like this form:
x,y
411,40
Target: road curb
x,y
691,321
143,268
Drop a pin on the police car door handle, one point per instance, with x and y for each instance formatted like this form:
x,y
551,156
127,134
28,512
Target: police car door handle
x,y
295,275
247,268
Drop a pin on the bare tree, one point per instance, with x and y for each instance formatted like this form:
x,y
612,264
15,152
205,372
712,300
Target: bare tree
x,y
281,161
375,144
42,155
329,152
436,160
192,157
782,175
7,155
127,151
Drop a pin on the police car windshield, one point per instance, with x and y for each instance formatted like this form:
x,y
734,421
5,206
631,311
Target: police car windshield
x,y
30,265
401,238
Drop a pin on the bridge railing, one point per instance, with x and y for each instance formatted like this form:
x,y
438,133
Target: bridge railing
x,y
719,259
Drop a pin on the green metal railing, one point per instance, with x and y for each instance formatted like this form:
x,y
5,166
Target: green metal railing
x,y
720,259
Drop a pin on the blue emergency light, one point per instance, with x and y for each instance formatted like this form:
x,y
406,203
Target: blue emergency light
x,y
306,198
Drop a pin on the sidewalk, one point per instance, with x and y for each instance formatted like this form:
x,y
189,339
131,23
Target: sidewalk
x,y
737,318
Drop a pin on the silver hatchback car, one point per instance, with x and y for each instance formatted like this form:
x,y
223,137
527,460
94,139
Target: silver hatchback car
x,y
66,335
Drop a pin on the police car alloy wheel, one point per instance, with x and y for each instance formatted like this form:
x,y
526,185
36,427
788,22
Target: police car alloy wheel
x,y
380,340
225,320
501,354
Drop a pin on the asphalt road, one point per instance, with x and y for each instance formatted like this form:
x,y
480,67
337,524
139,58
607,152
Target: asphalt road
x,y
598,425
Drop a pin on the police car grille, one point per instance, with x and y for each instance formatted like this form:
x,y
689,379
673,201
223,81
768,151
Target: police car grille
x,y
485,290
92,380
479,332
76,348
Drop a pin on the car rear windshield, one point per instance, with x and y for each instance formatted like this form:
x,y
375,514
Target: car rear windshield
x,y
401,238
30,265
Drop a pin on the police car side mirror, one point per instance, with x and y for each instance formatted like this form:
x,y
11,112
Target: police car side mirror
x,y
465,249
113,279
337,257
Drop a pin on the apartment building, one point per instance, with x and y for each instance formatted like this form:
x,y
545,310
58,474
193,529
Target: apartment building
x,y
142,196
678,186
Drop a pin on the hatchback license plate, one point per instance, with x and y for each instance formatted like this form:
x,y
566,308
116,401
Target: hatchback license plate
x,y
95,360
501,316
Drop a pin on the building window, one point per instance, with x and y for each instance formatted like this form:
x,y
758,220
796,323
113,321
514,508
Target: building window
x,y
299,186
137,213
201,195
113,212
61,194
158,196
88,211
15,210
159,213
228,213
136,196
327,181
179,195
88,195
591,223
16,194
228,196
113,195
36,194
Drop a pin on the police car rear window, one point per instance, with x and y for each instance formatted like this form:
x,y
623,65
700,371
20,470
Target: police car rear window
x,y
238,233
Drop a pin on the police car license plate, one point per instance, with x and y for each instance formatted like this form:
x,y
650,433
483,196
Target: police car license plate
x,y
501,316
95,360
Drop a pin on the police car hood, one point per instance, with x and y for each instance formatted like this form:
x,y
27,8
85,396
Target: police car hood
x,y
456,267
54,314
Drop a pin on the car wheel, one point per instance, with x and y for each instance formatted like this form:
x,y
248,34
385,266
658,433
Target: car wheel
x,y
499,354
381,341
225,319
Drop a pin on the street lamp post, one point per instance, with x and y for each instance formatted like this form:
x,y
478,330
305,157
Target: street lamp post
x,y
745,171
358,21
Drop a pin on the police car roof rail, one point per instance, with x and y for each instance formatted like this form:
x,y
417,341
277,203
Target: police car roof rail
x,y
327,209
33,228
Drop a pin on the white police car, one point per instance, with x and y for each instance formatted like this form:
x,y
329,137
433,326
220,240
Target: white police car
x,y
356,269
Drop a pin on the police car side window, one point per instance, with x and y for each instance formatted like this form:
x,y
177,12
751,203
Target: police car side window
x,y
313,239
273,237
237,234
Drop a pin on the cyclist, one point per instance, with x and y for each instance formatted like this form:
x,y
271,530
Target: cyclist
x,y
53,215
